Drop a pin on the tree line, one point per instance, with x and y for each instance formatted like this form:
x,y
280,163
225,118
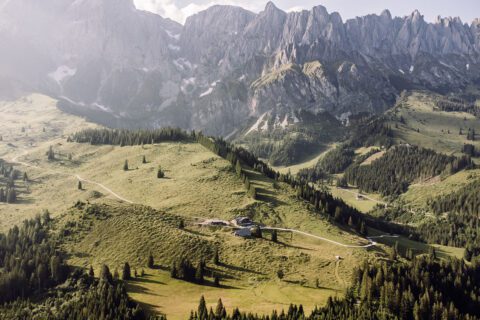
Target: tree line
x,y
421,289
454,104
31,264
401,165
8,193
125,137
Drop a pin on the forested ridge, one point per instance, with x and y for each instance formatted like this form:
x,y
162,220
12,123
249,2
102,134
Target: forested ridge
x,y
124,137
423,288
401,165
32,268
8,192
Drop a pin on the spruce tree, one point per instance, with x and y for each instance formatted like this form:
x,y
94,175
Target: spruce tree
x,y
216,257
125,166
274,236
105,274
126,272
219,309
202,311
80,187
144,160
91,273
160,173
50,154
151,262
199,273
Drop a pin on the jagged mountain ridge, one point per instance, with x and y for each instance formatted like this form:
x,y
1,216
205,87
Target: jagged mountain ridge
x,y
226,64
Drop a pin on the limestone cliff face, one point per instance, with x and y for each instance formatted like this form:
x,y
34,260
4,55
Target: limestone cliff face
x,y
226,64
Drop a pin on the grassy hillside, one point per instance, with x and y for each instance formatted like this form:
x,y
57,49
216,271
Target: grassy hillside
x,y
29,124
248,268
416,120
198,185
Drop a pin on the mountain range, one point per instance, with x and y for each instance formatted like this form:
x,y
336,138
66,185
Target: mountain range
x,y
226,67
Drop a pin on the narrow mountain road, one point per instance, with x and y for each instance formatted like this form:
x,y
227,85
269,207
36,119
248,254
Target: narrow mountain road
x,y
73,175
371,242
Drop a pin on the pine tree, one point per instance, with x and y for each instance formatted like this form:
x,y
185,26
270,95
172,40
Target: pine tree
x,y
174,271
126,272
202,309
216,257
105,274
238,168
160,173
91,273
280,274
363,229
116,275
219,309
11,195
199,273
50,154
151,262
274,236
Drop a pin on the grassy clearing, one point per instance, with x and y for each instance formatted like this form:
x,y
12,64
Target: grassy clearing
x,y
309,163
155,293
417,109
34,123
350,197
248,266
404,243
418,194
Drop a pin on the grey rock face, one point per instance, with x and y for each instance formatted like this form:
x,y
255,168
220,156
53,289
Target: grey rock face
x,y
226,64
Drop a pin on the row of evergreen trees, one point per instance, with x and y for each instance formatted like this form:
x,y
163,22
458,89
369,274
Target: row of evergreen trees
x,y
31,264
421,289
454,104
8,196
29,261
322,202
399,166
124,137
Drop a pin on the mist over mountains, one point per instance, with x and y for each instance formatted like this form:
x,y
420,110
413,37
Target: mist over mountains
x,y
226,66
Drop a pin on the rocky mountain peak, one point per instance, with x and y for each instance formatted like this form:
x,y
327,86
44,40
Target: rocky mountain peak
x,y
386,14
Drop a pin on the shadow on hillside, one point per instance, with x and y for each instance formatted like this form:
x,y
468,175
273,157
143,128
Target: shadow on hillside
x,y
288,245
136,288
146,279
240,269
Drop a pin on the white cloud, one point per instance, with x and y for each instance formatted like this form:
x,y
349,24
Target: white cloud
x,y
169,9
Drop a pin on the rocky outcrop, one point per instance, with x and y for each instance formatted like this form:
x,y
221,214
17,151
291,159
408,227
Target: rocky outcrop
x,y
226,64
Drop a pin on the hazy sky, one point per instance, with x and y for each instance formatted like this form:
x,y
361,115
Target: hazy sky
x,y
466,9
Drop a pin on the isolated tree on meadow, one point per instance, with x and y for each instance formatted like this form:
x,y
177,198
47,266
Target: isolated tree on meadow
x,y
144,160
126,272
125,166
80,187
50,154
151,262
160,173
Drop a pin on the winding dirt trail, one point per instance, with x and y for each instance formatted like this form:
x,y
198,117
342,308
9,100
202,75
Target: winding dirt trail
x,y
73,175
371,242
